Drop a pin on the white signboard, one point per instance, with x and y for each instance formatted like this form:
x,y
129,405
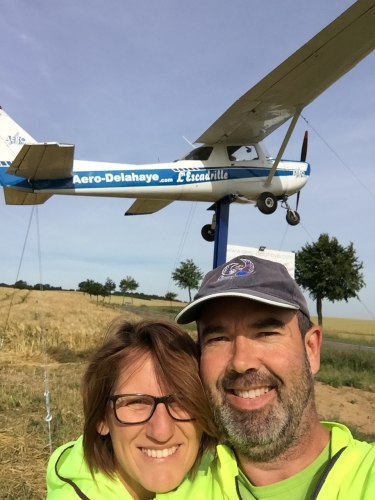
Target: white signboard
x,y
285,258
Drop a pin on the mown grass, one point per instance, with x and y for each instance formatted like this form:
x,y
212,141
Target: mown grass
x,y
24,449
165,312
359,339
118,299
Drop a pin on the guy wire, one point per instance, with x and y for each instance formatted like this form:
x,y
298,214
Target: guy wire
x,y
184,236
17,276
282,241
338,157
48,416
367,309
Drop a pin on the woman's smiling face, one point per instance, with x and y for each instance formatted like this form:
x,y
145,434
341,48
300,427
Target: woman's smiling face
x,y
155,455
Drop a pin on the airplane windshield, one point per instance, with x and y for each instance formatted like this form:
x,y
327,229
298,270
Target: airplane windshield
x,y
242,153
203,153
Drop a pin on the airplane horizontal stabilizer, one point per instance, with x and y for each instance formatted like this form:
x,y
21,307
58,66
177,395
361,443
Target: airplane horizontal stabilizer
x,y
43,161
144,206
15,197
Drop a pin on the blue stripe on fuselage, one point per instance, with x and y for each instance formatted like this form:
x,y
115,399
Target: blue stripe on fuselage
x,y
12,180
142,177
164,177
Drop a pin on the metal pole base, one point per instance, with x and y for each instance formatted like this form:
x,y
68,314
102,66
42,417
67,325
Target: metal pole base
x,y
221,231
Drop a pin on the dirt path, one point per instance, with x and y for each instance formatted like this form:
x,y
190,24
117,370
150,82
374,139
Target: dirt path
x,y
346,404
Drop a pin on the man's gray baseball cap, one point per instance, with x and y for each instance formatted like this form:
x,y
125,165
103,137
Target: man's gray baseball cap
x,y
251,278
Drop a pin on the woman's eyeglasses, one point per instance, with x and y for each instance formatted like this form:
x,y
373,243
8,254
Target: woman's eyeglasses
x,y
139,408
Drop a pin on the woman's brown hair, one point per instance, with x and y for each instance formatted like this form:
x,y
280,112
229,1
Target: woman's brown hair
x,y
175,357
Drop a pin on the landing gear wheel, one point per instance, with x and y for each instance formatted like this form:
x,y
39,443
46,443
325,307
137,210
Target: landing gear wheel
x,y
208,233
292,217
267,203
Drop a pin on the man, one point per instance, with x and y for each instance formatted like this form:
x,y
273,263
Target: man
x,y
259,353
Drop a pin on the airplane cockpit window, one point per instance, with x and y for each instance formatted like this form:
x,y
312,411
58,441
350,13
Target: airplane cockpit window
x,y
203,153
242,153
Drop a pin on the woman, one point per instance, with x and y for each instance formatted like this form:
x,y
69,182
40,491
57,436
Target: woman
x,y
146,418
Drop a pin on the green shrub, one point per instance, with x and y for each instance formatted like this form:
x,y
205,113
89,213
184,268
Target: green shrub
x,y
349,367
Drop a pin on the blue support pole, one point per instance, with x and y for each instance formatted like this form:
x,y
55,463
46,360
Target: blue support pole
x,y
221,231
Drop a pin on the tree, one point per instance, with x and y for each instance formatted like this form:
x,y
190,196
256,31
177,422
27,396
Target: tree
x,y
95,288
22,285
110,287
188,275
86,287
170,296
127,284
327,270
45,286
98,289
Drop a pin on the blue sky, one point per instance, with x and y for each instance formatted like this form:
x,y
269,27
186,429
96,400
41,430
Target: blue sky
x,y
125,80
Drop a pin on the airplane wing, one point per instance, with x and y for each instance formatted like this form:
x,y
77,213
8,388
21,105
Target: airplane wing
x,y
43,161
15,197
145,206
298,80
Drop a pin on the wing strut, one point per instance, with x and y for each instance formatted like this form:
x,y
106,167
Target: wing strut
x,y
282,147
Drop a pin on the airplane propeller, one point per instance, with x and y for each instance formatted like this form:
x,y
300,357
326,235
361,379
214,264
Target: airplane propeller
x,y
304,146
303,158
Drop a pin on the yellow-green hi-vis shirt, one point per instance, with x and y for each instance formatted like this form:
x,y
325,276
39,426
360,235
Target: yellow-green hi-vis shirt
x,y
297,487
344,471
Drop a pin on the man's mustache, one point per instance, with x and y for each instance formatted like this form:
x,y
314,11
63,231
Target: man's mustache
x,y
244,381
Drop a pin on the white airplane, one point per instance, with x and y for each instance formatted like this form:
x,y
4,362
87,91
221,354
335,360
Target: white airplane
x,y
232,160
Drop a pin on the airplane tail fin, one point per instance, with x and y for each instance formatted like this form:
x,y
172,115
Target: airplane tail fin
x,y
23,160
12,138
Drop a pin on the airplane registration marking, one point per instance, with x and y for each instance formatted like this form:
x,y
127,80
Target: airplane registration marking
x,y
299,173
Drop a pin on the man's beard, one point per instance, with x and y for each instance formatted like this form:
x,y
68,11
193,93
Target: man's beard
x,y
266,433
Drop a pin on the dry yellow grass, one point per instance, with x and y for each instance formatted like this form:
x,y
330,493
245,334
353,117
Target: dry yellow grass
x,y
24,449
350,326
349,329
73,327
70,319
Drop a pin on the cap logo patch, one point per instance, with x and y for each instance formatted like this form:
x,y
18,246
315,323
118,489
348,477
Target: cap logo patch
x,y
237,269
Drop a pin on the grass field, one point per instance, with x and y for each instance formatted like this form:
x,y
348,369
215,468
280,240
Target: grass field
x,y
352,368
358,331
71,326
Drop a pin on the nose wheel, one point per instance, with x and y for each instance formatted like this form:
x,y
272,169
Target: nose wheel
x,y
292,216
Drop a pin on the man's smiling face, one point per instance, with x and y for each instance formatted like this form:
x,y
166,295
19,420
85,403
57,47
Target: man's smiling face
x,y
258,375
